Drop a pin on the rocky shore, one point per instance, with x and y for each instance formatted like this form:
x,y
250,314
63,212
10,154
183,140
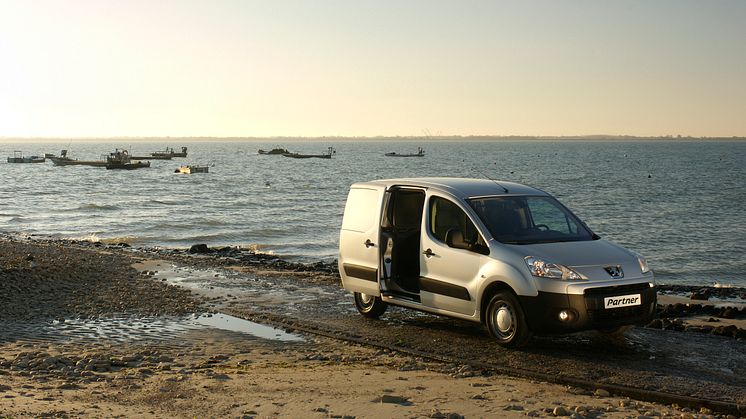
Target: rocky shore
x,y
42,279
210,372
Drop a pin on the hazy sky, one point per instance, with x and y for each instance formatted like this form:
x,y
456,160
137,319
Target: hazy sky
x,y
317,67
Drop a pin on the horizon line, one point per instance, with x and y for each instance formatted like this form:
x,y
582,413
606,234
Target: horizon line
x,y
376,137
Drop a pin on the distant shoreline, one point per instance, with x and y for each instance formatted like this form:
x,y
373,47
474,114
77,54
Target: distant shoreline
x,y
413,138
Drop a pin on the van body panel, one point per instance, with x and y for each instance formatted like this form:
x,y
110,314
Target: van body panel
x,y
359,245
450,279
428,309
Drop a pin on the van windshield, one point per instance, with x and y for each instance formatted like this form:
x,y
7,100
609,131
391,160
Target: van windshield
x,y
529,220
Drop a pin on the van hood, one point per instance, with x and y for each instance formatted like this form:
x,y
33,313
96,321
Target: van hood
x,y
582,253
588,258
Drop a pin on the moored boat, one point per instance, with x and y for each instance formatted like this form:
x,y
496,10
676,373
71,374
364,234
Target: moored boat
x,y
189,169
420,153
18,157
120,159
152,157
275,151
64,160
168,154
327,155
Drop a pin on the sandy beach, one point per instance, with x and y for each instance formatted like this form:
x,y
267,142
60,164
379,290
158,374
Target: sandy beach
x,y
183,370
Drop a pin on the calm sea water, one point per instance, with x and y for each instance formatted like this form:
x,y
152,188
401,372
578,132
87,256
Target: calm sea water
x,y
682,204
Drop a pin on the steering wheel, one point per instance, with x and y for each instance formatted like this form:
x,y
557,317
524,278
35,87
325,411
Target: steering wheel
x,y
542,227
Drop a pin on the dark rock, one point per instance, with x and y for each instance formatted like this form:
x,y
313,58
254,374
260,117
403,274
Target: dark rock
x,y
729,313
655,324
702,294
560,411
199,248
728,331
740,334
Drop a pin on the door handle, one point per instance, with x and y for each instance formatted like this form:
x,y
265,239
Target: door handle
x,y
428,252
369,243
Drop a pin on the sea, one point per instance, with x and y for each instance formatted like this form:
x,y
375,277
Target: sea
x,y
681,203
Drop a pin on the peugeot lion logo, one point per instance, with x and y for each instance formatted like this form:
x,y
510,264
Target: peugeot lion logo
x,y
614,271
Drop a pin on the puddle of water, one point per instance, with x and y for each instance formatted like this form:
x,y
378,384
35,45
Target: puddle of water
x,y
239,287
235,324
133,330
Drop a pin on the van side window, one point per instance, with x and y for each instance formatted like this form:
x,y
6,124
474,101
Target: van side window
x,y
357,210
446,216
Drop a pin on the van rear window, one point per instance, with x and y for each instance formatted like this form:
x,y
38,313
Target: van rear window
x,y
361,210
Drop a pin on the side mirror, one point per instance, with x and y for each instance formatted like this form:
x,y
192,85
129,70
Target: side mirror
x,y
455,239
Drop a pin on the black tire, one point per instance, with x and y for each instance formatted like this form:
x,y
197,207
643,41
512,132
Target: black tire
x,y
505,320
369,305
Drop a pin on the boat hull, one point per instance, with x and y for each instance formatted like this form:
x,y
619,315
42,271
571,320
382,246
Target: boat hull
x,y
153,157
70,162
188,170
128,166
26,160
308,156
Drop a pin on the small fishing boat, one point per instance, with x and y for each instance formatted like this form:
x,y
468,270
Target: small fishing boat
x,y
64,160
168,154
277,151
188,170
120,159
327,155
151,157
18,157
420,153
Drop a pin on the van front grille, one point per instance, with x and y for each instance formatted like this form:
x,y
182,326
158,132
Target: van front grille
x,y
594,303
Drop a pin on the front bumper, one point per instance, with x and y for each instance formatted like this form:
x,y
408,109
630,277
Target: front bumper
x,y
587,309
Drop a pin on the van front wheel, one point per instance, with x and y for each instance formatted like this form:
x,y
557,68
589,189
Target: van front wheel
x,y
369,305
505,320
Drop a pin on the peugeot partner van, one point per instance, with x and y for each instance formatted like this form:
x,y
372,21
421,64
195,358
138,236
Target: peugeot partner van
x,y
507,255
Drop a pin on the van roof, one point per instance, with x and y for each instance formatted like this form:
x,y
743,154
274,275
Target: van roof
x,y
463,187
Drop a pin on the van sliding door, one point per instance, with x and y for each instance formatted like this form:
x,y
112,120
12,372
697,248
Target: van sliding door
x,y
359,246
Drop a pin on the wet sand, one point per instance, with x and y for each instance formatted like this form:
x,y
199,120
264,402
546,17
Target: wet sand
x,y
155,371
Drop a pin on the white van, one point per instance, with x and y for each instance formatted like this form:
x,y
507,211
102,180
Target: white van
x,y
504,254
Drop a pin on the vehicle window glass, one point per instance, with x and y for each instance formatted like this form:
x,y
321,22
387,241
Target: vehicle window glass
x,y
446,215
529,220
544,213
360,210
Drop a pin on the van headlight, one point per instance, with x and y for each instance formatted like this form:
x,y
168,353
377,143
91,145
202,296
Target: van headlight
x,y
545,269
643,263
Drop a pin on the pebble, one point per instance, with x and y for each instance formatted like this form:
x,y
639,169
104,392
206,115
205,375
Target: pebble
x,y
601,393
561,411
390,398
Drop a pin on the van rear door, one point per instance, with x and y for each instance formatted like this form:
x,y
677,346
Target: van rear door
x,y
359,247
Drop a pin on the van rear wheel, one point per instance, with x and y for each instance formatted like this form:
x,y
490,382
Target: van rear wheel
x,y
369,305
505,320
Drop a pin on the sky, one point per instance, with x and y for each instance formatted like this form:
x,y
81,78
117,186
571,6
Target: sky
x,y
316,68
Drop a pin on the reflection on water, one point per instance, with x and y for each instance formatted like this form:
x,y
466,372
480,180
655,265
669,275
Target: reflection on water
x,y
234,324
